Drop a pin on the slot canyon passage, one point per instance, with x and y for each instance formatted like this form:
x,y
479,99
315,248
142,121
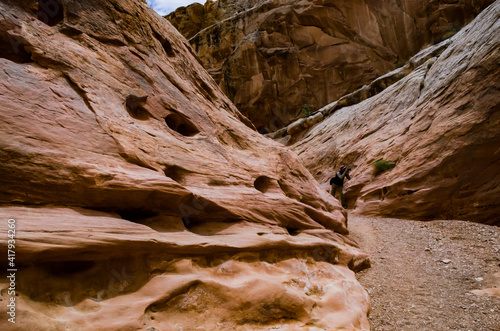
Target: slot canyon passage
x,y
164,173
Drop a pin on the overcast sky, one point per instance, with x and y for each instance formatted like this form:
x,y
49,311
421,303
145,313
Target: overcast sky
x,y
164,7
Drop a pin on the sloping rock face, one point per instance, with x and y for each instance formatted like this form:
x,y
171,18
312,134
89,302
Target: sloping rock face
x,y
141,199
438,126
278,59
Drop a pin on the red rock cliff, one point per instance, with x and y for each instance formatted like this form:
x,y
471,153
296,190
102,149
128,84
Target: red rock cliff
x,y
142,199
438,128
279,59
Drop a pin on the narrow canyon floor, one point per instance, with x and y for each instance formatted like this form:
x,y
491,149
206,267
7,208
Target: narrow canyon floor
x,y
439,275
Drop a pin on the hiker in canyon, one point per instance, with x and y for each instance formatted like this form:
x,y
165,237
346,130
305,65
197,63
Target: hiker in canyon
x,y
337,183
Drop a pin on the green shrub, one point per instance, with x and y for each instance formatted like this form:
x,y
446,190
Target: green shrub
x,y
381,166
306,110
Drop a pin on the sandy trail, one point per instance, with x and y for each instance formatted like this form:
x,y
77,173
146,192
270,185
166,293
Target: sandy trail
x,y
423,273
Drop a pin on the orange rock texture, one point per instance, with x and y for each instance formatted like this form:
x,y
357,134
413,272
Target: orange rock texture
x,y
437,128
143,199
279,59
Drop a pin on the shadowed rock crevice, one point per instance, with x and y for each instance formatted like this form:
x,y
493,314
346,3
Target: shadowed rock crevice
x,y
135,159
176,173
62,269
265,184
181,124
207,90
135,215
12,46
165,43
70,30
293,231
51,12
135,107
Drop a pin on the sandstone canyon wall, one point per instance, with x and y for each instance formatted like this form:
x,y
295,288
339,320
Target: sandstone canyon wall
x,y
438,127
142,199
279,59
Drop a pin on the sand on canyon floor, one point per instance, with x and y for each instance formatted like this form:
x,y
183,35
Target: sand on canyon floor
x,y
437,275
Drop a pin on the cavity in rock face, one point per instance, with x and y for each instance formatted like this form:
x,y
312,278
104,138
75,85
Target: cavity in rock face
x,y
181,124
136,108
51,12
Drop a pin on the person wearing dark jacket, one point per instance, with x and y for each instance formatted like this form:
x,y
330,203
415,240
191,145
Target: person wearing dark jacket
x,y
337,183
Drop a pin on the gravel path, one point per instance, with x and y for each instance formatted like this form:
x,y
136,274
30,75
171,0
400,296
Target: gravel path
x,y
423,273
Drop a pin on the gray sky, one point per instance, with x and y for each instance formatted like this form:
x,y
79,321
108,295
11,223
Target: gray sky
x,y
164,7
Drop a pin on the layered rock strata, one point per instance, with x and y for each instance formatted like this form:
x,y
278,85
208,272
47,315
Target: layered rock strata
x,y
143,199
278,60
437,128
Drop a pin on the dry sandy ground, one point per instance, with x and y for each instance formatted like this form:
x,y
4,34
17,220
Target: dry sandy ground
x,y
423,273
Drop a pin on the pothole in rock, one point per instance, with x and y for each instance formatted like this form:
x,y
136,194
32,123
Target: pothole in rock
x,y
268,185
180,124
292,231
176,173
135,107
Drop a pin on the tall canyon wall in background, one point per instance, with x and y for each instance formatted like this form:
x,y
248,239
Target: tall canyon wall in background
x,y
435,132
279,59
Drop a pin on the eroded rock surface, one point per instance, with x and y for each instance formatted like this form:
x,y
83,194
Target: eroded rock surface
x,y
438,126
143,199
279,59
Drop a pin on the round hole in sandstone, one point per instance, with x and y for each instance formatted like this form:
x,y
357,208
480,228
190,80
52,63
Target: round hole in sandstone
x,y
181,124
263,183
176,173
136,109
293,231
51,12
